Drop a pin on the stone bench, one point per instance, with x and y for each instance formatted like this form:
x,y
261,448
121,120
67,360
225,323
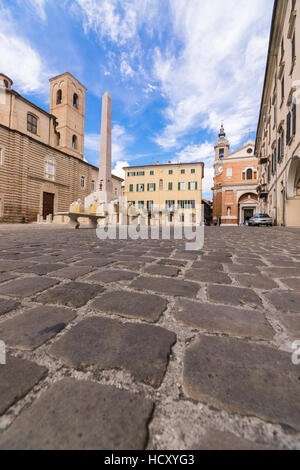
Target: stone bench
x,y
74,216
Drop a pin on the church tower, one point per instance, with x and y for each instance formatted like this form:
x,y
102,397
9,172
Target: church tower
x,y
222,145
67,103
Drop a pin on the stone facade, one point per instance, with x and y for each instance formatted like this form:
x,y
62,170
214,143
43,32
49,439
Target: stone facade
x,y
40,175
278,134
173,191
235,182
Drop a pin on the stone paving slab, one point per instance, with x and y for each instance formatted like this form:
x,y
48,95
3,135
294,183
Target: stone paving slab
x,y
81,415
256,281
202,275
112,275
292,325
218,440
208,266
17,377
285,301
102,343
72,272
233,296
27,286
223,319
243,378
6,305
128,304
159,270
292,283
7,276
74,294
34,327
166,286
42,269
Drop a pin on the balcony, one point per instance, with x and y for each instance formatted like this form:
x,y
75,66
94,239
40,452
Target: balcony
x,y
263,160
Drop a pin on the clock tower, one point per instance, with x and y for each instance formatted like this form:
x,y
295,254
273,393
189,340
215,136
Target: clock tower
x,y
221,151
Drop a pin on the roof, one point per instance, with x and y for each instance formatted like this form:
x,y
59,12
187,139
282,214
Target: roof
x,y
153,165
67,73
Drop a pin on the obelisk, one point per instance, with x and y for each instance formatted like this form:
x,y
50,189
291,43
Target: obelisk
x,y
105,185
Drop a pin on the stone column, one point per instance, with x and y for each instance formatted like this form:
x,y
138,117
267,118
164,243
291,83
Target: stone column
x,y
105,185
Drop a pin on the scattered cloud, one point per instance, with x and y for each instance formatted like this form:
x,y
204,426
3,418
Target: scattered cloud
x,y
118,169
120,142
39,7
19,60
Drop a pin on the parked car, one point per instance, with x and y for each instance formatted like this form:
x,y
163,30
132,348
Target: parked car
x,y
261,219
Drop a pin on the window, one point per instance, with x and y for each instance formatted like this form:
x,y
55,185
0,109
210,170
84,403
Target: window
x,y
101,185
170,205
82,182
170,186
181,218
93,186
131,173
5,83
229,172
193,186
249,174
151,173
170,172
288,128
181,186
31,123
255,175
1,156
131,188
140,173
132,203
187,204
75,100
294,109
161,185
58,139
282,47
141,204
151,187
116,191
50,168
150,206
74,142
221,153
282,89
293,47
59,97
193,171
140,188
182,172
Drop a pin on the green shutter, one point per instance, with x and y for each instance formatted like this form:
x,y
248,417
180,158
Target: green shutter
x,y
178,186
189,186
196,185
148,186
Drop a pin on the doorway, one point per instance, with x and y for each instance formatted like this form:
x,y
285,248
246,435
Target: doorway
x,y
48,204
248,214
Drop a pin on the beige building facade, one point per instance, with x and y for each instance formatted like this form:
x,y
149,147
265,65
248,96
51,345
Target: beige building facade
x,y
235,199
42,170
172,191
278,134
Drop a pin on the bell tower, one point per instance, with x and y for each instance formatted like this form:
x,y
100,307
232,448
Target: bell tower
x,y
222,145
67,104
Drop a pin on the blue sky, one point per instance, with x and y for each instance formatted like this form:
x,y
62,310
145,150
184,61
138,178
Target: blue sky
x,y
174,69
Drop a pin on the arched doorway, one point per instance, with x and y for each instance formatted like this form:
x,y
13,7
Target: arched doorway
x,y
248,204
293,194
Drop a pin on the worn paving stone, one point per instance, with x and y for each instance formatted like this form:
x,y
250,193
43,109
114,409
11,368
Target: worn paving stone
x,y
34,327
131,265
292,283
240,269
74,294
244,378
6,266
6,305
27,286
207,276
72,272
17,377
233,296
285,301
221,319
42,269
217,259
95,262
251,261
131,304
175,287
102,343
112,276
7,276
172,262
292,325
208,266
170,271
281,272
219,440
256,281
79,415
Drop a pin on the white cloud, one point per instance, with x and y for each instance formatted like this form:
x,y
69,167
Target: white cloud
x,y
196,153
218,70
126,69
118,169
120,141
39,7
19,60
207,183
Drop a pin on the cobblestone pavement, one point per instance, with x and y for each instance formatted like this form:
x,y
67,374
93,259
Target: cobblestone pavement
x,y
141,344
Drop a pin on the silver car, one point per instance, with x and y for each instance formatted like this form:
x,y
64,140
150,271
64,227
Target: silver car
x,y
261,219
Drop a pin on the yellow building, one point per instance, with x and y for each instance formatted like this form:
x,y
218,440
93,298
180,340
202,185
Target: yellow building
x,y
172,191
278,133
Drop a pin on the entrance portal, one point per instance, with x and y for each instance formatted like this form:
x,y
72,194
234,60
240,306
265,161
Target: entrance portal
x,y
248,214
48,204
